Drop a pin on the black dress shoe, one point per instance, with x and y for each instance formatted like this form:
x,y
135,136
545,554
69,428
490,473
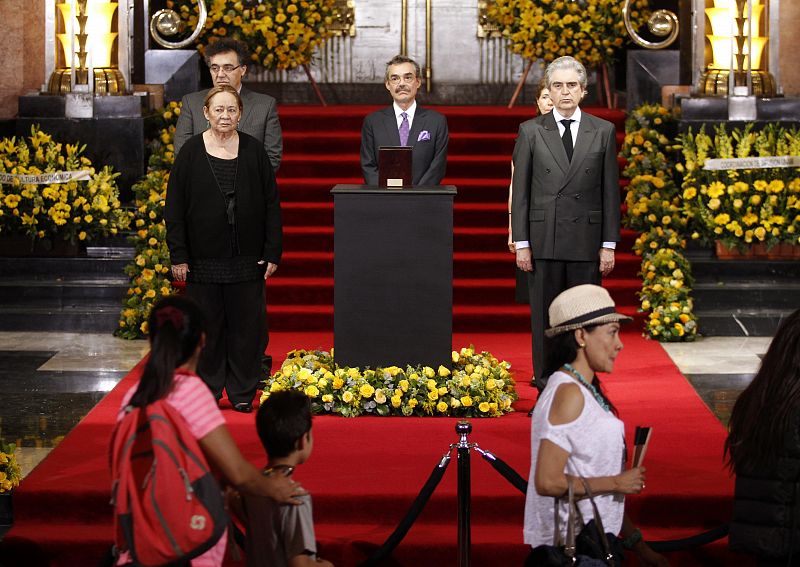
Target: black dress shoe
x,y
243,407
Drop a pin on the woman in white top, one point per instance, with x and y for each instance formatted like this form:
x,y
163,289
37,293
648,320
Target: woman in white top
x,y
575,431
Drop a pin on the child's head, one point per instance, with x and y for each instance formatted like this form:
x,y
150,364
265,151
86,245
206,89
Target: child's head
x,y
284,425
176,326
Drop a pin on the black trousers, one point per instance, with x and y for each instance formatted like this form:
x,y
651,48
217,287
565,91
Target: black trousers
x,y
236,336
548,279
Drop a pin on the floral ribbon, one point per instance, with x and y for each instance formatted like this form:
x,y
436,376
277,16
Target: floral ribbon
x,y
46,178
762,162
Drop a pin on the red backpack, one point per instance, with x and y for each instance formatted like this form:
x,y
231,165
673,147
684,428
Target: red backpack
x,y
168,507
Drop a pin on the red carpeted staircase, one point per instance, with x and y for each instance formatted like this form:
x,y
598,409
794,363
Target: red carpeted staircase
x,y
321,149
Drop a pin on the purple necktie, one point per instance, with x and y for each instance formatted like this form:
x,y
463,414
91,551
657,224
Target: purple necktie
x,y
404,129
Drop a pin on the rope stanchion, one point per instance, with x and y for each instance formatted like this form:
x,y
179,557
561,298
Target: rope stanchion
x,y
464,428
411,516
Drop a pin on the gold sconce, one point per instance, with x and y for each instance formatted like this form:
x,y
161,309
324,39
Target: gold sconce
x,y
738,29
88,56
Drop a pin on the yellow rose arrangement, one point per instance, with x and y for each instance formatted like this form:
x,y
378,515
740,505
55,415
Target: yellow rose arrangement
x,y
281,34
647,146
77,211
149,271
592,31
655,208
10,473
746,206
665,294
477,385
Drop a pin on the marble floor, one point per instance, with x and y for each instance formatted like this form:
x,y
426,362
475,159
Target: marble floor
x,y
49,381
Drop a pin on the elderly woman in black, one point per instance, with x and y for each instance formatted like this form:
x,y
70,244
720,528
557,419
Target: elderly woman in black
x,y
224,236
763,449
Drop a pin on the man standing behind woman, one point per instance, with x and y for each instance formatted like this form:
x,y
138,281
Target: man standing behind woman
x,y
224,235
544,105
227,61
565,205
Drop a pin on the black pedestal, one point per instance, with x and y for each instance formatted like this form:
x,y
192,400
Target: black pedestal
x,y
114,136
393,276
713,110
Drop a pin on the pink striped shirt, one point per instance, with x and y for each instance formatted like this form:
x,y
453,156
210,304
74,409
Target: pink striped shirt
x,y
195,402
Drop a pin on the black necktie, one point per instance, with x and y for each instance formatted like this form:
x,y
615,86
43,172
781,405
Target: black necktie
x,y
566,137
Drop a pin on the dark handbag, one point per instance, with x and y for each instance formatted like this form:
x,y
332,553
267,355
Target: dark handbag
x,y
590,549
593,541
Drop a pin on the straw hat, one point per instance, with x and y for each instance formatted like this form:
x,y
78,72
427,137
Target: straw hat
x,y
581,306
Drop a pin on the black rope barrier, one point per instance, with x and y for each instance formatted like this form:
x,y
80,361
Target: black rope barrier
x,y
411,516
697,540
507,472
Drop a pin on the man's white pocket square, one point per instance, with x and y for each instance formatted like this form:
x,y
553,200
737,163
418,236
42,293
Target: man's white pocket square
x,y
424,135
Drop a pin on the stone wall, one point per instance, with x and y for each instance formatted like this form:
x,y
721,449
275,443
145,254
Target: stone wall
x,y
22,46
789,47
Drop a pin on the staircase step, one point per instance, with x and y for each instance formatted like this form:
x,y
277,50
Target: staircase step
x,y
506,318
62,294
102,319
66,268
734,295
310,238
318,189
464,214
745,322
459,118
465,264
336,165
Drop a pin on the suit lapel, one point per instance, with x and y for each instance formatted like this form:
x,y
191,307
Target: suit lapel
x,y
390,125
586,134
554,143
244,94
417,125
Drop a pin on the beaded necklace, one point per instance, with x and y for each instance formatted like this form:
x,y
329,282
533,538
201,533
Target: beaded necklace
x,y
589,386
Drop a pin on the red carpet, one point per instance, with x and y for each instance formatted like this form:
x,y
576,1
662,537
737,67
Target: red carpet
x,y
321,149
364,472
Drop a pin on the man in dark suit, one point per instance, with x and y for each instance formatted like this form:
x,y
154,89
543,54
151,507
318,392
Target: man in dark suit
x,y
565,206
405,123
227,59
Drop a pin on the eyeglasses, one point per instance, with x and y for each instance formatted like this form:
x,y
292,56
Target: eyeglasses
x,y
227,68
407,78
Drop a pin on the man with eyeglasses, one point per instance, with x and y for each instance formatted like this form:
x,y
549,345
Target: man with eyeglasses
x,y
565,203
227,60
405,123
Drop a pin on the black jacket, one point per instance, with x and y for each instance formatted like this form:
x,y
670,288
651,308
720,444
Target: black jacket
x,y
197,224
766,505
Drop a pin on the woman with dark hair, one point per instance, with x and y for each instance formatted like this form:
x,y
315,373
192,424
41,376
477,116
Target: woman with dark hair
x,y
224,235
763,449
575,431
177,335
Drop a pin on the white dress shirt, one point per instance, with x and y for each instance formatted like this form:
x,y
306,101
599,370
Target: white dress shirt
x,y
573,128
410,112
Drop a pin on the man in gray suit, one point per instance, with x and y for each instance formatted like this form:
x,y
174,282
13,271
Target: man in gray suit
x,y
565,207
405,123
227,59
